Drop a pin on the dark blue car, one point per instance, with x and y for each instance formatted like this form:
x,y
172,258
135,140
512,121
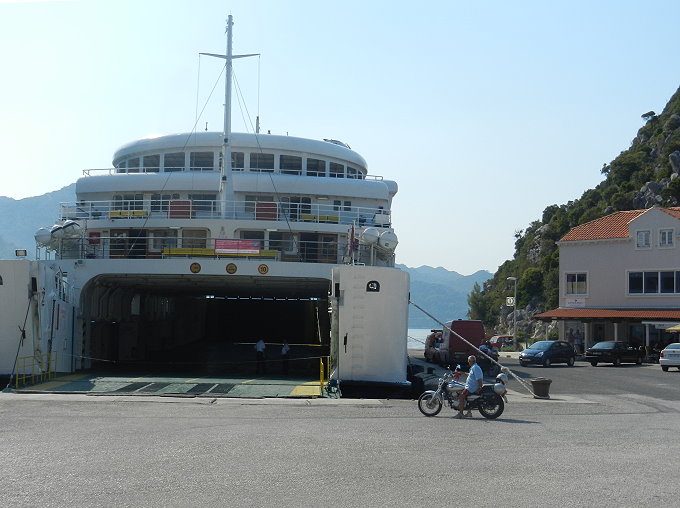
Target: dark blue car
x,y
547,352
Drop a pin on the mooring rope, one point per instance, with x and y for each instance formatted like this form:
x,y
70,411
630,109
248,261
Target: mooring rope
x,y
504,369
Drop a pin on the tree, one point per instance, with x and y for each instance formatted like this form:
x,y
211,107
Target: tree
x,y
648,116
478,307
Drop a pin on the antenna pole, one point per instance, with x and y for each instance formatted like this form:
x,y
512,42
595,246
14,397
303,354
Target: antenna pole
x,y
226,184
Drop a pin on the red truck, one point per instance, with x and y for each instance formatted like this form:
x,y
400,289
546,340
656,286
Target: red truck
x,y
447,348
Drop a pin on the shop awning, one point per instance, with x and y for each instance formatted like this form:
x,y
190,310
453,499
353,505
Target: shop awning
x,y
581,314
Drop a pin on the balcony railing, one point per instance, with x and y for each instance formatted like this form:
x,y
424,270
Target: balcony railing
x,y
230,210
154,247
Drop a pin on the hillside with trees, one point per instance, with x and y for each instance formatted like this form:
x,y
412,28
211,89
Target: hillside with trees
x,y
644,175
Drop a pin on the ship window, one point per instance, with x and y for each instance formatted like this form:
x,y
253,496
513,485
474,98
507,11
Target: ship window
x,y
282,241
159,202
173,162
152,163
294,207
201,161
316,167
203,203
132,202
133,165
237,161
262,161
194,238
120,167
337,170
253,235
163,238
352,172
290,164
252,199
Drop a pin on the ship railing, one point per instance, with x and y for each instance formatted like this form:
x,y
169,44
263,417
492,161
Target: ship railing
x,y
139,209
35,369
156,169
167,244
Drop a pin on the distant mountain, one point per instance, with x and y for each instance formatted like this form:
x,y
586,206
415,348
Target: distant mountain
x,y
440,292
21,218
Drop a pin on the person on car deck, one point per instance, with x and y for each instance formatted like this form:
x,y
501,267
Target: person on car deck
x,y
473,384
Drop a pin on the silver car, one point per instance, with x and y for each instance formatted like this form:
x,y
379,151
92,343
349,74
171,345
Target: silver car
x,y
670,356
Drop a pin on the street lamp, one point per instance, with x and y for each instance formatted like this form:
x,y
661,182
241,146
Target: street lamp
x,y
514,312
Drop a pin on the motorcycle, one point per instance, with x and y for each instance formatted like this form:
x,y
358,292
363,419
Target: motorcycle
x,y
489,401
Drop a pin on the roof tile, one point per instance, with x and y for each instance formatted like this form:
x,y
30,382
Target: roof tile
x,y
610,226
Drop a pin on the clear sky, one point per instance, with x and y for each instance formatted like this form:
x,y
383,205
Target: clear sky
x,y
483,112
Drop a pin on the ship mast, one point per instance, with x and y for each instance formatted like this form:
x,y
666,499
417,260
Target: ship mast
x,y
226,181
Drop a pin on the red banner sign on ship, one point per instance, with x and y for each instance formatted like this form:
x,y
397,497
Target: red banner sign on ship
x,y
224,246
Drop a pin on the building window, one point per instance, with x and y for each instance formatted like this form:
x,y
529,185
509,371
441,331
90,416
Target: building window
x,y
635,282
667,280
173,162
201,161
644,239
316,167
576,284
651,280
666,238
290,164
262,161
654,283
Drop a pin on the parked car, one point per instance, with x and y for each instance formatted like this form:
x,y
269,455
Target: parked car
x,y
613,352
547,352
670,356
498,341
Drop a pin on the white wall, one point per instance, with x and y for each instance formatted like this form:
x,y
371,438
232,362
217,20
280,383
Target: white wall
x,y
607,263
15,294
374,322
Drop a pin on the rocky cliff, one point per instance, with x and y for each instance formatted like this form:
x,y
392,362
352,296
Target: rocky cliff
x,y
644,175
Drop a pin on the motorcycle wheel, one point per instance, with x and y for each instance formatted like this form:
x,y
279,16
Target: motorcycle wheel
x,y
491,407
429,405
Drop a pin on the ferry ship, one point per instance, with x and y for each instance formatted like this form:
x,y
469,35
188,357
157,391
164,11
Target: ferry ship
x,y
192,245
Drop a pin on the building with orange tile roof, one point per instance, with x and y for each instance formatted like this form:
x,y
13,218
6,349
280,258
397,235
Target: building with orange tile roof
x,y
620,278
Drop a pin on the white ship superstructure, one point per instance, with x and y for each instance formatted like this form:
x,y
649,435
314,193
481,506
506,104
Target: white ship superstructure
x,y
172,256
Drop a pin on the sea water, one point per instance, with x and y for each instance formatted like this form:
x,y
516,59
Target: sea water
x,y
417,336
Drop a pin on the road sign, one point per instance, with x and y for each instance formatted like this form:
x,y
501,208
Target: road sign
x,y
510,301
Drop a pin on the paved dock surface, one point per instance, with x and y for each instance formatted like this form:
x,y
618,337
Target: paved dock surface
x,y
76,450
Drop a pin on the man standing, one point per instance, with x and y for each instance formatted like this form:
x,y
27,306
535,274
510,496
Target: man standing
x,y
260,368
284,357
473,384
578,342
